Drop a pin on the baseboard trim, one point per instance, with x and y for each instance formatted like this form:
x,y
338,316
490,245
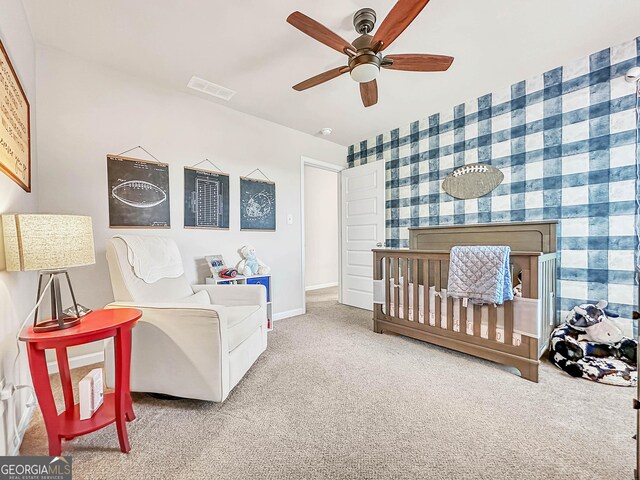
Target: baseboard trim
x,y
320,286
288,314
79,361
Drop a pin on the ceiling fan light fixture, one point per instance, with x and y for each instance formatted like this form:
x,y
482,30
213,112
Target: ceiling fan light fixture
x,y
365,52
365,67
365,72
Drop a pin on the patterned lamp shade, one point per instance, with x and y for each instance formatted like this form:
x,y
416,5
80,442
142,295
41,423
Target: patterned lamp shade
x,y
39,242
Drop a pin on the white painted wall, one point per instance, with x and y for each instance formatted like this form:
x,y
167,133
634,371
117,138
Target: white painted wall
x,y
17,289
321,227
87,111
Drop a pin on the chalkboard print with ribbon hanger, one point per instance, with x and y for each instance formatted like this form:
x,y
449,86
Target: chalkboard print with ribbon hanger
x,y
206,198
257,203
138,192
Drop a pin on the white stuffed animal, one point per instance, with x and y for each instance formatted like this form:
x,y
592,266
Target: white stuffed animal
x,y
250,263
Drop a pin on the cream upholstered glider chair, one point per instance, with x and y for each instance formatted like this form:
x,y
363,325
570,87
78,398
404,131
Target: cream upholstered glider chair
x,y
192,341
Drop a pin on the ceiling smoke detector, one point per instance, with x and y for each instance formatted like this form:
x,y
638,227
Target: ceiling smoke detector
x,y
204,86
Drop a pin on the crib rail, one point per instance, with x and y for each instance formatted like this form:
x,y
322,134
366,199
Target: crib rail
x,y
416,304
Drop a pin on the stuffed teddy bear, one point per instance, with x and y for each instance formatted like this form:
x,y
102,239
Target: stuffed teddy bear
x,y
589,345
250,263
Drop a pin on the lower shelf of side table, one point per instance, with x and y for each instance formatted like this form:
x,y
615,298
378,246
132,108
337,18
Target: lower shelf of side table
x,y
71,426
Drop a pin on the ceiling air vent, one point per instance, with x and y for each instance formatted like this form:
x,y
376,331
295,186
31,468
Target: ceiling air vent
x,y
204,86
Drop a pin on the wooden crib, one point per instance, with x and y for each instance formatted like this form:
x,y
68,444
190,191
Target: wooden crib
x,y
410,293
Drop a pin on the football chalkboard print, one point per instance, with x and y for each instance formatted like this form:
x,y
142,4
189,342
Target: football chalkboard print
x,y
138,193
257,204
206,199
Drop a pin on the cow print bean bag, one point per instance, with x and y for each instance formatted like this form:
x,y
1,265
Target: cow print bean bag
x,y
589,345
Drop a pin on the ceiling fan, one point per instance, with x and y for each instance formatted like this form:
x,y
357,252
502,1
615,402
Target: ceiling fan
x,y
365,57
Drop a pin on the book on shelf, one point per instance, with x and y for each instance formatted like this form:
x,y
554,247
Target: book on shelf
x,y
91,393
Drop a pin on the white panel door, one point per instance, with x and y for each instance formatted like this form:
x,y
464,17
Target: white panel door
x,y
363,219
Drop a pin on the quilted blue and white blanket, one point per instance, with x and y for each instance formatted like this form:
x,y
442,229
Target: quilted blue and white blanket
x,y
480,274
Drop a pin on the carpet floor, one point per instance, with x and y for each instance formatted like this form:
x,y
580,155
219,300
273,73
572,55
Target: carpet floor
x,y
331,399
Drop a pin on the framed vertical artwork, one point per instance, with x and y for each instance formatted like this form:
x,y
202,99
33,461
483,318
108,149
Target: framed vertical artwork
x,y
15,127
138,193
206,199
257,204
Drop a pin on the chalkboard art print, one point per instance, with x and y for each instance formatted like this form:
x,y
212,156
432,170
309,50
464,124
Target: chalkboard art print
x,y
257,205
138,193
206,199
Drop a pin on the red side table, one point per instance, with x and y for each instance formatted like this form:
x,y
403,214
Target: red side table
x,y
117,406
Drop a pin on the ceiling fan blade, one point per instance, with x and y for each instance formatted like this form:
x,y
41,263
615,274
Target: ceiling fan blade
x,y
417,62
319,32
369,93
321,78
399,18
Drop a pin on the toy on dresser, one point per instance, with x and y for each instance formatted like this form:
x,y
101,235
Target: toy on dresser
x,y
250,263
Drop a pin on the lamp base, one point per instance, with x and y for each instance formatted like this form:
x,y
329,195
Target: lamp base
x,y
59,324
58,320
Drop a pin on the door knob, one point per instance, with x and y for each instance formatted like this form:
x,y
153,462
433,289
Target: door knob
x,y
380,244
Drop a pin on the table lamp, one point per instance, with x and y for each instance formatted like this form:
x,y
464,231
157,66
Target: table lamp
x,y
50,244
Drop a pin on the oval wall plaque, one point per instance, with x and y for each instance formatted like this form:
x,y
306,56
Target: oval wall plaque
x,y
472,181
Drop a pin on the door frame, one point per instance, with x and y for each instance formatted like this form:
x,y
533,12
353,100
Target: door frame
x,y
312,162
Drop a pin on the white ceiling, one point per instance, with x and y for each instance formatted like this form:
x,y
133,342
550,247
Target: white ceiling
x,y
246,45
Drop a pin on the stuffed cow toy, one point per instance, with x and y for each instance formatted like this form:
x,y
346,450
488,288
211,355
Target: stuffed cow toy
x,y
250,263
591,346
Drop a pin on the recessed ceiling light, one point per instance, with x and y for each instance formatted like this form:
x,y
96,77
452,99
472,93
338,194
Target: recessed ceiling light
x,y
210,88
326,131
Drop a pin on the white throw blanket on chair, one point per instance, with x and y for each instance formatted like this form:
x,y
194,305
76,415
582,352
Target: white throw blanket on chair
x,y
153,258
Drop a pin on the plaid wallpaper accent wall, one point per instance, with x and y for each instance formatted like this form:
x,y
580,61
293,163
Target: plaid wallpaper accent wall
x,y
565,141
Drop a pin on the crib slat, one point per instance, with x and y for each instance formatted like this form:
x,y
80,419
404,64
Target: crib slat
x,y
544,275
396,289
425,291
450,313
436,279
477,317
405,289
533,278
508,322
526,282
387,286
463,317
415,268
493,322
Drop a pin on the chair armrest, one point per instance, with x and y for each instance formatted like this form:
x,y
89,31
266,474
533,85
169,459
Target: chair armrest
x,y
235,295
169,315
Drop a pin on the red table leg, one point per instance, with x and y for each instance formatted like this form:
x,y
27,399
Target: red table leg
x,y
123,394
129,413
65,377
40,377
